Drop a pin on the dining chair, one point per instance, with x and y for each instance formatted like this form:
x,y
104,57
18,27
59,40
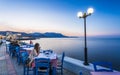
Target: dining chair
x,y
17,49
7,48
80,73
24,59
60,64
107,66
26,68
53,70
20,52
42,66
11,50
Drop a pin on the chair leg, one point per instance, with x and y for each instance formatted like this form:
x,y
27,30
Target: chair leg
x,y
24,69
18,61
80,73
54,71
61,71
27,70
36,71
17,58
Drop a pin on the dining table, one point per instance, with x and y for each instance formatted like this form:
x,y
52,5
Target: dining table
x,y
52,56
53,60
105,73
28,49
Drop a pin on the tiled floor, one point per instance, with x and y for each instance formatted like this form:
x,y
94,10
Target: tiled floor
x,y
3,66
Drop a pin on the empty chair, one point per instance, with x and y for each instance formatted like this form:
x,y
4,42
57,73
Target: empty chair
x,y
7,47
11,50
24,58
80,73
60,64
20,53
107,66
42,66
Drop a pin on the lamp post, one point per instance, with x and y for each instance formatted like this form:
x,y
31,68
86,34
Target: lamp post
x,y
84,16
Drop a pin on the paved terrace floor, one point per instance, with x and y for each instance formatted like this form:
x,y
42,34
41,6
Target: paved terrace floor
x,y
9,66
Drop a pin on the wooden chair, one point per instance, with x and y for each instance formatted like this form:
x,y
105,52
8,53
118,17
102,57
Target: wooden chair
x,y
60,64
42,66
108,66
24,59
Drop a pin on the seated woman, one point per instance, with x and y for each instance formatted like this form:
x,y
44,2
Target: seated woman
x,y
35,52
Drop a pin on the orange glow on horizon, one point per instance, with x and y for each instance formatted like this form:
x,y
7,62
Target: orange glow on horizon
x,y
5,27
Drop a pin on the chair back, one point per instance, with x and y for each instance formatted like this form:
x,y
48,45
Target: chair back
x,y
60,66
63,55
80,73
11,47
42,62
17,49
108,66
24,56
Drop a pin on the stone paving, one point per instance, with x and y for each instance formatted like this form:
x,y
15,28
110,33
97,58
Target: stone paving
x,y
3,66
9,66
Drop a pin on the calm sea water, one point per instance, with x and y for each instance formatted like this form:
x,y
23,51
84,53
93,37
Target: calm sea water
x,y
99,49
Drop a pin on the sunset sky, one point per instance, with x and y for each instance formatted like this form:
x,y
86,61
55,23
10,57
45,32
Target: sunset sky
x,y
60,16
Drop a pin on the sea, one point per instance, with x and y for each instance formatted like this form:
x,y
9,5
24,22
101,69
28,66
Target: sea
x,y
99,49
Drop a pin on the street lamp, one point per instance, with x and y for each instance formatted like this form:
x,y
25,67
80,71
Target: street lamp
x,y
84,16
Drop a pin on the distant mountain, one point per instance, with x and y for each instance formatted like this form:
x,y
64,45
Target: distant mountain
x,y
2,33
52,34
35,34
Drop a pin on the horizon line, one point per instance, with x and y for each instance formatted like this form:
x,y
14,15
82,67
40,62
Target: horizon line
x,y
64,34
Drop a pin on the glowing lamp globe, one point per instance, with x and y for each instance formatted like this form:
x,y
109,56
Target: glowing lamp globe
x,y
79,14
90,10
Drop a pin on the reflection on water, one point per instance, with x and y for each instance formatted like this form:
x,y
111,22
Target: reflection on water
x,y
98,49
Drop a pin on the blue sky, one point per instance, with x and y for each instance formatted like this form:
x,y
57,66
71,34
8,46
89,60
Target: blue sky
x,y
60,16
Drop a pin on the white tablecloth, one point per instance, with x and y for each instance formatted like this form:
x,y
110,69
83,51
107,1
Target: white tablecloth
x,y
30,48
50,56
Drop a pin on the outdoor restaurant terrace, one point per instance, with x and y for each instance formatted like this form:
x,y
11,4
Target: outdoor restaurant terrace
x,y
10,66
